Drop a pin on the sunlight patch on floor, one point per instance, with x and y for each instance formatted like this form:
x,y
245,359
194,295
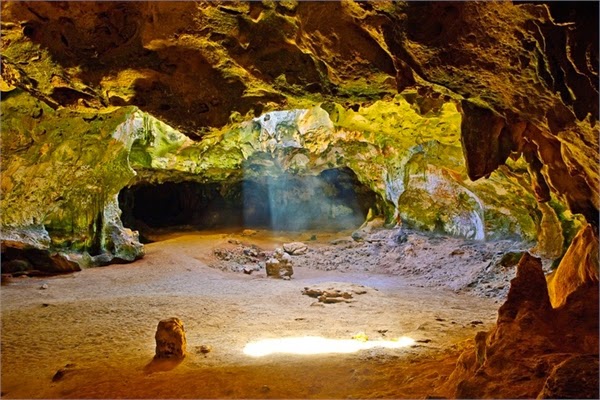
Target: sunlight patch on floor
x,y
319,345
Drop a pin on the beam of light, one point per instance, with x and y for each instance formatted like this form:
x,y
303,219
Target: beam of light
x,y
319,345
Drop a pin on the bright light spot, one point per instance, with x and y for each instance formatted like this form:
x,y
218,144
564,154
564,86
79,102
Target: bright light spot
x,y
319,345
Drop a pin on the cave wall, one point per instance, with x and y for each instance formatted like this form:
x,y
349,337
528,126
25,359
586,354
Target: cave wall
x,y
522,75
412,161
61,174
526,74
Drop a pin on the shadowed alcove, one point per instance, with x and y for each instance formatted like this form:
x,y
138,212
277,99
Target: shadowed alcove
x,y
332,200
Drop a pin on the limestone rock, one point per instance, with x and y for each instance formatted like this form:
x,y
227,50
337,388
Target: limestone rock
x,y
295,248
334,293
528,290
170,339
400,237
516,357
359,235
24,258
280,265
508,97
574,378
578,267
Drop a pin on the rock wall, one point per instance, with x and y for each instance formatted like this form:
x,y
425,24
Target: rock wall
x,y
61,173
526,74
410,161
523,76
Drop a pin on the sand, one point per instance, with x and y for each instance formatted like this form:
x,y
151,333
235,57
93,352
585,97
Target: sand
x,y
98,325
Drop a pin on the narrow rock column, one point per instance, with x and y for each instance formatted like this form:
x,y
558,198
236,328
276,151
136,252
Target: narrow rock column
x,y
170,339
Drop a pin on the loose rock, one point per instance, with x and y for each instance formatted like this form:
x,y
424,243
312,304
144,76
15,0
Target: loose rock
x,y
170,339
295,248
280,265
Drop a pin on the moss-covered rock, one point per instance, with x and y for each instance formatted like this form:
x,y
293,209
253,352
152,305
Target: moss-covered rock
x,y
413,162
62,169
78,162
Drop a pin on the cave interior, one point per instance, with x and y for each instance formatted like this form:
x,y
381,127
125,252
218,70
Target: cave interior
x,y
299,199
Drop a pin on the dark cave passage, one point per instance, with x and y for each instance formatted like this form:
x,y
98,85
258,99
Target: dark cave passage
x,y
333,200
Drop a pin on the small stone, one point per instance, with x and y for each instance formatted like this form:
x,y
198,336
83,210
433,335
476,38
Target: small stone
x,y
250,252
205,349
247,270
44,286
170,339
317,304
359,235
265,388
312,292
295,248
249,232
400,237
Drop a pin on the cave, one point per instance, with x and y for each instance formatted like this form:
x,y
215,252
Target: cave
x,y
333,200
299,199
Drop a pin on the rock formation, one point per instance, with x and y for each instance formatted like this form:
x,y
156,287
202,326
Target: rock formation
x,y
458,117
170,339
528,352
280,265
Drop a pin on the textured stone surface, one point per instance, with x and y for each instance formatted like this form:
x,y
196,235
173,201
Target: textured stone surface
x,y
170,339
206,66
517,357
524,78
280,265
199,65
574,378
295,248
578,267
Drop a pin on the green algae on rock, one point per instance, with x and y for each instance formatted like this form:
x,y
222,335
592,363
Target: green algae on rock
x,y
63,172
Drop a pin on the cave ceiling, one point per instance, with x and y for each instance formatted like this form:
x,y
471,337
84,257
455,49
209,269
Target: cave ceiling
x,y
523,75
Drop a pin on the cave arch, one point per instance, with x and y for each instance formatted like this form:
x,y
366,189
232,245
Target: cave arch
x,y
333,200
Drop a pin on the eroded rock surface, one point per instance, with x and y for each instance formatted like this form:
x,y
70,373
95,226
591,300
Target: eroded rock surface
x,y
517,93
521,355
280,265
170,339
574,378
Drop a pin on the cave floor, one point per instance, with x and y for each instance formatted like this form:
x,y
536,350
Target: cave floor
x,y
98,326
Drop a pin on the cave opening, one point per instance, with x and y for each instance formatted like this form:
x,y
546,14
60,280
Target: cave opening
x,y
331,201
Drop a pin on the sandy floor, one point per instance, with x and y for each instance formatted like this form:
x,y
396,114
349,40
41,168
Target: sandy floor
x,y
101,323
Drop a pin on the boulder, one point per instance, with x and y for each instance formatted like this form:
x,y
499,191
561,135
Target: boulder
x,y
26,258
528,291
170,339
